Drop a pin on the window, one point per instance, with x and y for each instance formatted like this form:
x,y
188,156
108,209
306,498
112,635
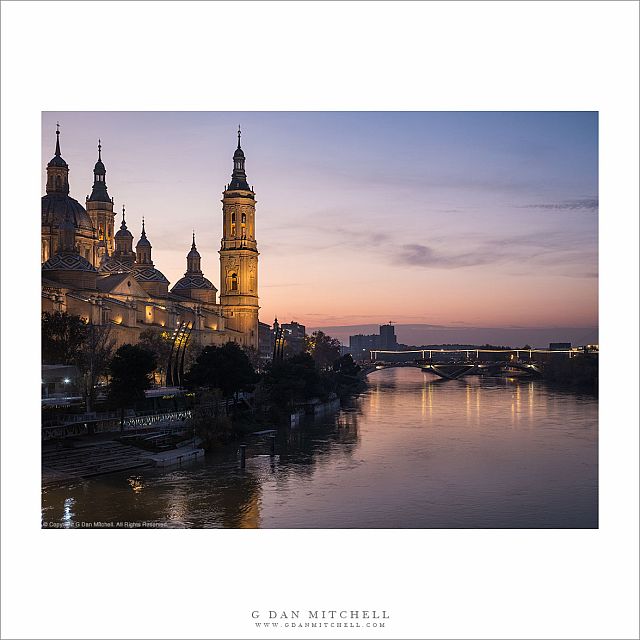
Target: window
x,y
233,217
234,282
233,229
244,217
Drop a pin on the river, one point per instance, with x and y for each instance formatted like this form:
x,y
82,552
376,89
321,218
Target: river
x,y
411,451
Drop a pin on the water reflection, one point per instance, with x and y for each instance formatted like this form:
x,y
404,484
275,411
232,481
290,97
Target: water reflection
x,y
411,451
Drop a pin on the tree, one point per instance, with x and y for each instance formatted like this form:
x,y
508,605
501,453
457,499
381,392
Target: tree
x,y
226,368
94,357
291,381
158,342
69,339
131,368
62,337
324,349
345,366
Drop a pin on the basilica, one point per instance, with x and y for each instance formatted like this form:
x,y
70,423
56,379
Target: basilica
x,y
90,271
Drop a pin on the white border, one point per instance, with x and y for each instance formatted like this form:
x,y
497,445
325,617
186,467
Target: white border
x,y
348,55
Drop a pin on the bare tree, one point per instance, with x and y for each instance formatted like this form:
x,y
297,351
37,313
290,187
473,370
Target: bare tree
x,y
94,357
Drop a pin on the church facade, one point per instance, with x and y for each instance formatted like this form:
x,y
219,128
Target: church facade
x,y
91,271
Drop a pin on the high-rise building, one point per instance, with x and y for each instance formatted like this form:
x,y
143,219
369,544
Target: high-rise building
x,y
388,338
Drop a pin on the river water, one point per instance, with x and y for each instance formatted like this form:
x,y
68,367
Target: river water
x,y
412,451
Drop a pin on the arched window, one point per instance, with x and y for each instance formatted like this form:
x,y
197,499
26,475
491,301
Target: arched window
x,y
234,282
244,217
58,182
233,217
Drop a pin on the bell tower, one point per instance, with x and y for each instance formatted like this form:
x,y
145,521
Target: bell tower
x,y
100,208
239,254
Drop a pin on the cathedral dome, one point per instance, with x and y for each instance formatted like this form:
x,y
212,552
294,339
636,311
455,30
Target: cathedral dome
x,y
67,262
116,264
55,207
148,274
193,282
70,269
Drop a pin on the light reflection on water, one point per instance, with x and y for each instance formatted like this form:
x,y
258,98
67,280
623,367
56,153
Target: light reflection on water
x,y
411,451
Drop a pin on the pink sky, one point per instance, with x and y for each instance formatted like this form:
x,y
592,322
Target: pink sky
x,y
478,219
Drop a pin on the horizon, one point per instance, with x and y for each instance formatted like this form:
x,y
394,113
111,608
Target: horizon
x,y
366,217
419,334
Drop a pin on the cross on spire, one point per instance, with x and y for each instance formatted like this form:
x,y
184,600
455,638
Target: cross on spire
x,y
99,151
239,134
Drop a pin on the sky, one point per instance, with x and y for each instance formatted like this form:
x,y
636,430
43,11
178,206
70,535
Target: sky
x,y
451,219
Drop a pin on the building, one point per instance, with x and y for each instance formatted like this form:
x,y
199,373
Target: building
x,y
360,345
294,338
388,338
90,271
266,341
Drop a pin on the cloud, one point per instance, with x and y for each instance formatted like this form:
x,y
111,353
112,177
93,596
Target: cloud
x,y
585,204
566,256
422,255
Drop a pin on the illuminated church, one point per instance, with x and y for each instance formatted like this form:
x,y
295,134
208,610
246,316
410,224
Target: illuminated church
x,y
90,271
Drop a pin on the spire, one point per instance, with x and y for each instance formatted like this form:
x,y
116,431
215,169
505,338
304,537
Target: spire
x,y
123,238
99,190
58,139
193,259
238,177
57,171
143,248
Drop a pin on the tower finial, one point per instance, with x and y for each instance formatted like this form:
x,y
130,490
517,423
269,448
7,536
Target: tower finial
x,y
99,151
57,138
143,231
239,134
193,243
124,224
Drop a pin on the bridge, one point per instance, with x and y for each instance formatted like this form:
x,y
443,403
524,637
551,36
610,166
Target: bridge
x,y
452,364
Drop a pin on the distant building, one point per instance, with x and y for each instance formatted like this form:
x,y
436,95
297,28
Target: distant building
x,y
294,335
559,346
388,338
265,341
360,345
